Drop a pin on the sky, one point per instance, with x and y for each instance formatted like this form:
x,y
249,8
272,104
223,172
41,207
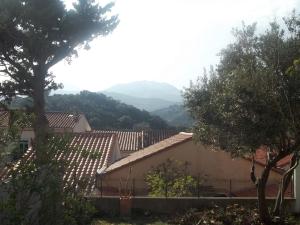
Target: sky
x,y
168,41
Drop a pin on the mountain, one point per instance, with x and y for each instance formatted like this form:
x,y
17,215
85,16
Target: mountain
x,y
148,89
101,111
149,104
175,115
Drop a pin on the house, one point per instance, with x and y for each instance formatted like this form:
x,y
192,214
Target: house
x,y
85,153
59,122
216,168
131,141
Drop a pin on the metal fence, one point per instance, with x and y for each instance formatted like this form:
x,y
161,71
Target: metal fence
x,y
200,188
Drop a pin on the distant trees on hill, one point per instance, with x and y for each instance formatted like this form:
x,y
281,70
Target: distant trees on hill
x,y
101,111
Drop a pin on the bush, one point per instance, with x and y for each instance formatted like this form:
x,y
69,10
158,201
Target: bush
x,y
171,179
230,215
78,211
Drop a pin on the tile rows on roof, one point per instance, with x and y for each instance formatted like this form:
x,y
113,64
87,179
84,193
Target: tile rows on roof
x,y
84,155
135,140
4,118
158,147
62,119
55,119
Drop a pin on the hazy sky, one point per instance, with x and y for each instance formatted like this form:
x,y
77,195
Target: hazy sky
x,y
165,40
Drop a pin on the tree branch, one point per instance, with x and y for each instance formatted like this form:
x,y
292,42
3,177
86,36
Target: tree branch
x,y
252,174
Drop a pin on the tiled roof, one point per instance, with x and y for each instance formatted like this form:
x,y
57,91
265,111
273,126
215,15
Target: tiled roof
x,y
86,153
55,119
135,140
4,115
151,150
128,140
62,119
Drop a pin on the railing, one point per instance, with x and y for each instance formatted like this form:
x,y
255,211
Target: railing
x,y
209,188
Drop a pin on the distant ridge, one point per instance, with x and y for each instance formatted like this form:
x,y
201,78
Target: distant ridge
x,y
149,104
148,89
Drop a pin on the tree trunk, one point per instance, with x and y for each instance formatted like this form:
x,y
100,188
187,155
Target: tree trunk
x,y
286,180
40,125
262,204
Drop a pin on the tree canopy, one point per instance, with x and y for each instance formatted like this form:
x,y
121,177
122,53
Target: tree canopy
x,y
34,36
252,98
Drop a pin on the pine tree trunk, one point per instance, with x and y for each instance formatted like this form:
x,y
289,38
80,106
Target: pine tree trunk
x,y
40,125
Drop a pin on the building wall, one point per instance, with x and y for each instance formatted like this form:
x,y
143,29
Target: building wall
x,y
116,155
218,168
82,125
27,135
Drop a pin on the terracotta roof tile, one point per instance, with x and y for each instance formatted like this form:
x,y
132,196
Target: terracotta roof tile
x,y
87,152
131,141
62,119
55,119
4,115
151,150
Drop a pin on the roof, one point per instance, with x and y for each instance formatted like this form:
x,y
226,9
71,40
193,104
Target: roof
x,y
151,150
86,153
62,119
55,119
131,141
4,115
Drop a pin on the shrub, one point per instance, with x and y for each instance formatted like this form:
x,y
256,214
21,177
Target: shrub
x,y
230,215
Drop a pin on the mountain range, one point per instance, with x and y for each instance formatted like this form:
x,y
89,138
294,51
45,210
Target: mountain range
x,y
160,99
148,89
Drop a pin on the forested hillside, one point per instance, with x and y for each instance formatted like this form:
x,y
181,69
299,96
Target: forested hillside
x,y
175,115
101,111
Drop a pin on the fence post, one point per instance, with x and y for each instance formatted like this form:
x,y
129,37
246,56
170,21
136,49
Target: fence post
x,y
133,187
101,187
230,188
198,186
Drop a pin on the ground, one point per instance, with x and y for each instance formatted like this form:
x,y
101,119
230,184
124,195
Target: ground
x,y
131,221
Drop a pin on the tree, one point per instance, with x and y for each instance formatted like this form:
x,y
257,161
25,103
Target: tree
x,y
34,36
251,100
171,178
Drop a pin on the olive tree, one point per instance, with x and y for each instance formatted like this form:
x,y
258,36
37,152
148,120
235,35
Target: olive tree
x,y
252,100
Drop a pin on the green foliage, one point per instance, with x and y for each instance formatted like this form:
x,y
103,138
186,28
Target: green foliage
x,y
102,112
77,211
9,138
175,115
229,215
232,214
35,35
171,179
250,100
22,192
